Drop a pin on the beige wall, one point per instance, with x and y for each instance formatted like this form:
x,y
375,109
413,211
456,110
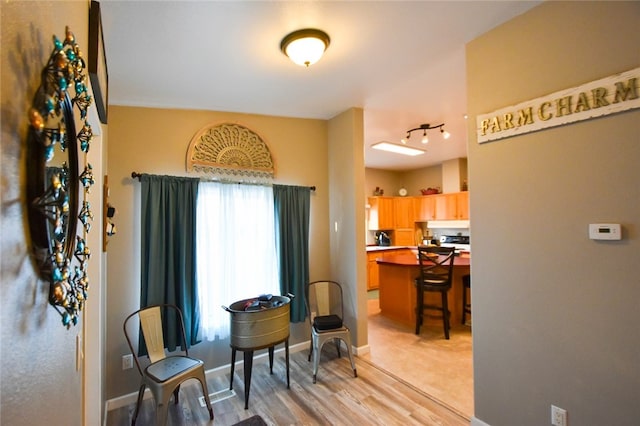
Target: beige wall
x,y
412,180
346,227
155,141
428,177
454,175
40,384
388,180
554,313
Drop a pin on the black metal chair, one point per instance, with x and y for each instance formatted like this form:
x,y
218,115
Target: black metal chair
x,y
324,306
164,374
436,273
466,300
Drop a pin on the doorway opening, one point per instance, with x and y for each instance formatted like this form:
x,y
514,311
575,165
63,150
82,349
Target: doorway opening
x,y
439,367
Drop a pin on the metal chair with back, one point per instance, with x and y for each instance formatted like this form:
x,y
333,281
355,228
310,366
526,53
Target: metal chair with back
x,y
163,374
324,306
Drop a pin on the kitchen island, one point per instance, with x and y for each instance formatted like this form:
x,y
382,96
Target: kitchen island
x,y
397,274
373,252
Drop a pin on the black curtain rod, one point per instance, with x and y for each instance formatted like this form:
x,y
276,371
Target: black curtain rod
x,y
136,175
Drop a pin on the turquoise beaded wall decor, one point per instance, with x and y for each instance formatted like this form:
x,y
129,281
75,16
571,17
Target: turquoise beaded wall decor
x,y
55,188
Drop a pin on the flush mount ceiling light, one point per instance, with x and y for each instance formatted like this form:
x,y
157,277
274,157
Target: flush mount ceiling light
x,y
305,47
424,128
398,149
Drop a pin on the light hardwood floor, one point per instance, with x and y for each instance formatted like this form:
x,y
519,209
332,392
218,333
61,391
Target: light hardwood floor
x,y
405,379
373,398
441,368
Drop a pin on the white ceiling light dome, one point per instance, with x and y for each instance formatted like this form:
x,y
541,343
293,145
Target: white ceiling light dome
x,y
305,47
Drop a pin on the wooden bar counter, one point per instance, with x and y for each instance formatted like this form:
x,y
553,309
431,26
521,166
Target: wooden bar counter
x,y
397,275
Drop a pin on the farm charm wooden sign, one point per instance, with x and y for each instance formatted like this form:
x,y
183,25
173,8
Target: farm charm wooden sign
x,y
606,96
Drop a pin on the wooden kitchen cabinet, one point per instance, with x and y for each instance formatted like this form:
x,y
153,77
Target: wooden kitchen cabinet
x,y
373,277
452,206
424,208
404,237
403,211
445,206
463,205
381,213
408,210
372,271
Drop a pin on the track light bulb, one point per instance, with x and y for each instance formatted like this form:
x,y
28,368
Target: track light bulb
x,y
425,138
445,134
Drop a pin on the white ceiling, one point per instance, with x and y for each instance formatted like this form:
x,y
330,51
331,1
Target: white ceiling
x,y
402,62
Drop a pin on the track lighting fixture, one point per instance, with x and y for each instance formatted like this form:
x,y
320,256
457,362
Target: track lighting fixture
x,y
424,128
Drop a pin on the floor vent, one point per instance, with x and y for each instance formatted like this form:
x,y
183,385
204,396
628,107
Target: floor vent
x,y
217,396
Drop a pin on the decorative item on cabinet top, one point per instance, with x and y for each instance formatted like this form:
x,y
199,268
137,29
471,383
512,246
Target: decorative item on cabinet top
x,y
53,182
430,191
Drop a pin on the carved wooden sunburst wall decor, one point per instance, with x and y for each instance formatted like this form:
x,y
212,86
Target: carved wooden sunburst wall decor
x,y
230,150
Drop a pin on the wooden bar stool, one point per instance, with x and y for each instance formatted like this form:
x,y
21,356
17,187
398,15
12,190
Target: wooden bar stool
x,y
466,302
436,273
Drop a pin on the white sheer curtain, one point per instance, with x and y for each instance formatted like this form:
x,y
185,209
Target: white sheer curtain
x,y
235,250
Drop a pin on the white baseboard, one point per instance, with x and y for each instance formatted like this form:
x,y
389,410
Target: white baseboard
x,y
362,350
477,422
356,351
131,398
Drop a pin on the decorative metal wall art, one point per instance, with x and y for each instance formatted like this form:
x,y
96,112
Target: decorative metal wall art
x,y
55,186
231,150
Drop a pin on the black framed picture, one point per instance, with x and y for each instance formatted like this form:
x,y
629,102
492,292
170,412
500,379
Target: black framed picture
x,y
98,62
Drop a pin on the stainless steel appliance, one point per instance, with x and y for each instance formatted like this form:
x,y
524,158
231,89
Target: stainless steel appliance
x,y
459,242
382,239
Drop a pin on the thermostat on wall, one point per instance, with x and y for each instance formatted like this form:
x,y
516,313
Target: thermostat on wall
x,y
604,231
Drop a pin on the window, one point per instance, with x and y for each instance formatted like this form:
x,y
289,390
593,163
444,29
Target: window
x,y
236,256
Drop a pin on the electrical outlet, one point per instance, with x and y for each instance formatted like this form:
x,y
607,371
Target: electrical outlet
x,y
558,416
127,361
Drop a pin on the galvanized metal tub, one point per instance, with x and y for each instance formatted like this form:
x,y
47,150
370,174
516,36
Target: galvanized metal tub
x,y
261,328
